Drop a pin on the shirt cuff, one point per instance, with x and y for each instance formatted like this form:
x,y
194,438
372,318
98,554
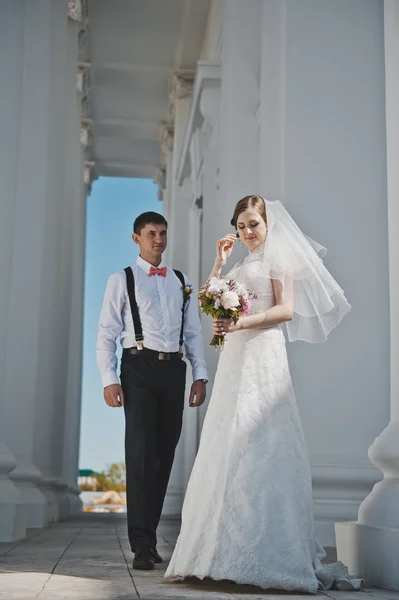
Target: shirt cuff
x,y
109,378
200,373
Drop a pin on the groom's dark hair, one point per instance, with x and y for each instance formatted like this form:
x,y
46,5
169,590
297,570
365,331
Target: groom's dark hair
x,y
147,218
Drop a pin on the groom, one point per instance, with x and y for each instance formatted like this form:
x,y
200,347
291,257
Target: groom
x,y
148,306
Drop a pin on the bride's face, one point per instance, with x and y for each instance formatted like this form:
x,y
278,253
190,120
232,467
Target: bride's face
x,y
251,228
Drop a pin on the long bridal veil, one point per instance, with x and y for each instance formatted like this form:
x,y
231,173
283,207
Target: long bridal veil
x,y
319,302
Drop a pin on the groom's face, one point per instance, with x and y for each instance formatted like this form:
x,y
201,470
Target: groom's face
x,y
152,240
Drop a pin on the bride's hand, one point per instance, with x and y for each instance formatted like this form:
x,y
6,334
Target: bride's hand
x,y
224,246
221,326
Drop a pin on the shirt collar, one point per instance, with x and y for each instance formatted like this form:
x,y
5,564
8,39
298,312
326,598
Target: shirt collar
x,y
146,266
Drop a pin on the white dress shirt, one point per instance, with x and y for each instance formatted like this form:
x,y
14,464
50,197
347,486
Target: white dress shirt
x,y
160,301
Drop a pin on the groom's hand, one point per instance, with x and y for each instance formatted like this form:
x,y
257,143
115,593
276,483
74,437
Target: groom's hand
x,y
197,393
113,395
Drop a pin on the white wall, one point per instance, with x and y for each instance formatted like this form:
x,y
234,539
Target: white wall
x,y
335,185
302,119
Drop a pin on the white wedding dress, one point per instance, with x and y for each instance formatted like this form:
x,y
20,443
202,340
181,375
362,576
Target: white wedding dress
x,y
248,512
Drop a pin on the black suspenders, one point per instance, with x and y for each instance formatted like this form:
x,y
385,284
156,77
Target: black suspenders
x,y
183,284
138,330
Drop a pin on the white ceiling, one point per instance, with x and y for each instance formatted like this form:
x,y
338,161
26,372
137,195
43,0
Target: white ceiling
x,y
135,47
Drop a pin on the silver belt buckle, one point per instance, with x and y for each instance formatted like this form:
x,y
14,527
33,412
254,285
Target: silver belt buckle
x,y
161,356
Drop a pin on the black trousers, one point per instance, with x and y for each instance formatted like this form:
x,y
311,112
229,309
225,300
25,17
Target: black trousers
x,y
154,402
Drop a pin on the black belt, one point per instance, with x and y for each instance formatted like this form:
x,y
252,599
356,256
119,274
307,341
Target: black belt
x,y
154,353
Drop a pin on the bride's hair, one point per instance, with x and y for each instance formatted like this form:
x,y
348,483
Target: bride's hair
x,y
249,202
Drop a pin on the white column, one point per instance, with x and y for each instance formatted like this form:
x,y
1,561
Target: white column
x,y
230,169
34,412
191,416
211,228
237,164
370,546
177,257
196,159
27,281
75,205
58,262
180,97
12,511
74,381
174,495
164,180
239,149
181,200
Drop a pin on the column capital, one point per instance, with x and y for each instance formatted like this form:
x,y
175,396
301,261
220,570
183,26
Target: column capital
x,y
85,133
181,87
88,174
160,177
78,10
83,84
160,181
75,10
166,136
83,77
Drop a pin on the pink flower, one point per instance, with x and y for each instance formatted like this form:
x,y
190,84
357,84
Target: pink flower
x,y
245,306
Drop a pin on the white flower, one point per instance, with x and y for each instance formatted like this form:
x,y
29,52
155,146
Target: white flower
x,y
242,290
223,285
213,281
217,303
216,285
230,300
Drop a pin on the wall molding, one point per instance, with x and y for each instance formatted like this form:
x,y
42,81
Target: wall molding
x,y
208,74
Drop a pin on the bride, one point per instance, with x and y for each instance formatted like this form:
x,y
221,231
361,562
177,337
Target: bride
x,y
248,511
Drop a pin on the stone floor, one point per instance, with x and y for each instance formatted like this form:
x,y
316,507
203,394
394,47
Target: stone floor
x,y
88,558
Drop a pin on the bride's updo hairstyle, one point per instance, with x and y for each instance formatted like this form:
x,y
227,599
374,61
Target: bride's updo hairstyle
x,y
249,202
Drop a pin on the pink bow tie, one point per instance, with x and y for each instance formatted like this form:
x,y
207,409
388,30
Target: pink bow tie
x,y
155,271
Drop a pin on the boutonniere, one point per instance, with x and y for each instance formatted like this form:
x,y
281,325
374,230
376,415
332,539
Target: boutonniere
x,y
187,291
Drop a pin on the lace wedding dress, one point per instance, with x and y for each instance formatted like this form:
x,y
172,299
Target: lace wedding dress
x,y
248,512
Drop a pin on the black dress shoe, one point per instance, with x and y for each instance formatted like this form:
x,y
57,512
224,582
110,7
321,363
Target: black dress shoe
x,y
143,560
157,558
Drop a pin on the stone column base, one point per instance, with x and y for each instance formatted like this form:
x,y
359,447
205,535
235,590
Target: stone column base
x,y
36,505
47,486
12,511
62,497
370,552
26,477
74,500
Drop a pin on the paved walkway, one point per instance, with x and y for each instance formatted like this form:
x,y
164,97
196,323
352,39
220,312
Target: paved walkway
x,y
88,558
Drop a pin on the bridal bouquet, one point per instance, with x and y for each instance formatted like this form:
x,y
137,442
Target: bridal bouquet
x,y
224,299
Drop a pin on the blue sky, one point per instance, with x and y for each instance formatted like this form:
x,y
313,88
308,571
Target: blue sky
x,y
111,209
